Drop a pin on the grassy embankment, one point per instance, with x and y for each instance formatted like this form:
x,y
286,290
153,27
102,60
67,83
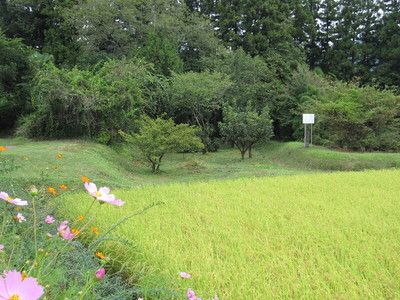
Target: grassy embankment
x,y
106,167
305,236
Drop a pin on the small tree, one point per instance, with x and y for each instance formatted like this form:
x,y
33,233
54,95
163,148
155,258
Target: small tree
x,y
246,128
158,137
197,98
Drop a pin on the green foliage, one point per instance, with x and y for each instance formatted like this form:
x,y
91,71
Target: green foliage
x,y
65,268
104,27
41,25
163,53
347,116
192,33
244,128
303,88
196,98
158,137
252,80
79,103
261,28
16,71
359,118
388,48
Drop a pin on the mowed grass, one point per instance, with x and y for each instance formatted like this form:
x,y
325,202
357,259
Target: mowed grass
x,y
315,236
321,158
107,166
38,165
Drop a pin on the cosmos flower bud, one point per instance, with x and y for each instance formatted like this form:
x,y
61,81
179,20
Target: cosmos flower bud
x,y
100,273
33,190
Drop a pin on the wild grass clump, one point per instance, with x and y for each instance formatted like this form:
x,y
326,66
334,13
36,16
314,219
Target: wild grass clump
x,y
195,165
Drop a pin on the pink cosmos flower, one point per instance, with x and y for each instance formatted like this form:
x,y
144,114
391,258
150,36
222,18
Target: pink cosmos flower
x,y
100,273
13,286
191,295
102,194
184,275
49,220
49,235
16,201
65,231
20,218
215,298
1,248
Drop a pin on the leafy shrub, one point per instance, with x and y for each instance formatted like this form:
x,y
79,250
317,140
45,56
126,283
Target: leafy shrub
x,y
355,118
82,103
347,116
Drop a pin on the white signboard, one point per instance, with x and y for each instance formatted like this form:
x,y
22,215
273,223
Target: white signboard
x,y
308,118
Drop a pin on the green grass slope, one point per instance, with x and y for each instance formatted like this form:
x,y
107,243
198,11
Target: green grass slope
x,y
108,167
38,164
320,158
313,236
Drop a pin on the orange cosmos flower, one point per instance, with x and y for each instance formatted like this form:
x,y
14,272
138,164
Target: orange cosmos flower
x,y
3,149
95,230
75,231
63,187
85,179
101,255
59,155
55,167
52,190
81,217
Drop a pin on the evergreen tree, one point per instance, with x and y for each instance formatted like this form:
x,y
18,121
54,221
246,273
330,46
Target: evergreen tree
x,y
41,25
388,33
368,45
327,19
163,53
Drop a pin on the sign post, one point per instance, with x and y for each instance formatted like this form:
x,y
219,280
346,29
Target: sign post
x,y
308,120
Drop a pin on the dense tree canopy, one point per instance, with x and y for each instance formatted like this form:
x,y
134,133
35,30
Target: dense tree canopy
x,y
102,64
16,71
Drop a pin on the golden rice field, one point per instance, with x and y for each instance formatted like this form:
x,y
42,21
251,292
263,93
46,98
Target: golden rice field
x,y
316,236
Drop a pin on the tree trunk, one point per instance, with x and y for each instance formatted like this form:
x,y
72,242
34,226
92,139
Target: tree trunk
x,y
243,153
159,162
250,154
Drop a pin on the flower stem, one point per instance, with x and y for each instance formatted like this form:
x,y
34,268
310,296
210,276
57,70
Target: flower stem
x,y
87,289
34,227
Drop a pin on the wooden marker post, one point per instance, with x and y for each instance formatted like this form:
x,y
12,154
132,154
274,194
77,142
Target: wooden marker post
x,y
308,120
